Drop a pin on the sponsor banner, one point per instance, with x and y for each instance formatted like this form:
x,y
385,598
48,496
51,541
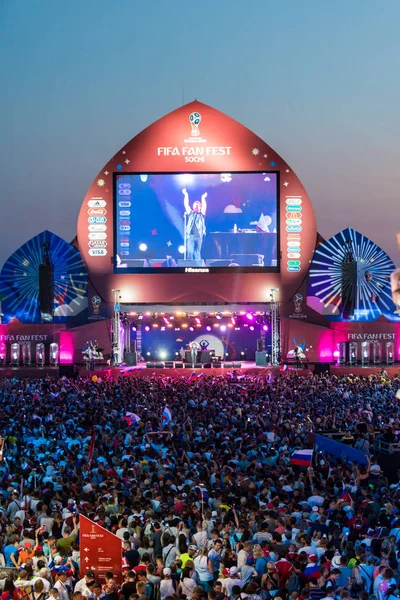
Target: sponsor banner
x,y
97,243
97,252
97,219
97,212
97,203
97,236
97,227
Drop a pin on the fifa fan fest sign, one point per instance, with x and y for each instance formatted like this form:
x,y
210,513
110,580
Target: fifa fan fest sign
x,y
260,226
101,551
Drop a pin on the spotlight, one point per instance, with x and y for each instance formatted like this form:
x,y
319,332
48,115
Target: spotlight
x,y
133,328
226,354
147,328
148,353
208,328
198,321
218,316
140,316
143,247
242,354
249,316
233,320
163,354
191,328
251,328
222,327
265,327
181,249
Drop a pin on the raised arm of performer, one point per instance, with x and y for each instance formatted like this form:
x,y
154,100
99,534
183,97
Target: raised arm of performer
x,y
204,204
186,201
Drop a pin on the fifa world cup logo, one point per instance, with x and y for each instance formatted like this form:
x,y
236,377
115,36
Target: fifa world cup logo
x,y
298,301
96,301
195,119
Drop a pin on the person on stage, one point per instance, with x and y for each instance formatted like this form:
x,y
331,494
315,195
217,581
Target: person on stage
x,y
297,353
195,225
194,346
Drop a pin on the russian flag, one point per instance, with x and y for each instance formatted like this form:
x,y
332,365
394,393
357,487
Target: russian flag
x,y
345,496
229,376
200,376
126,371
131,418
374,533
312,571
302,458
166,416
193,377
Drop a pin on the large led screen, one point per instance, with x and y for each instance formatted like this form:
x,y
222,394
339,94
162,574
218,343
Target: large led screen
x,y
195,222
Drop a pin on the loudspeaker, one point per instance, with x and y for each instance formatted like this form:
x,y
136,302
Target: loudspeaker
x,y
159,365
198,366
67,371
190,263
321,368
261,359
150,365
130,359
178,365
169,364
46,289
260,346
188,366
217,365
207,366
237,365
228,365
133,346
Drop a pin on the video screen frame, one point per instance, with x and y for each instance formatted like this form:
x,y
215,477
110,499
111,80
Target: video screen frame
x,y
197,270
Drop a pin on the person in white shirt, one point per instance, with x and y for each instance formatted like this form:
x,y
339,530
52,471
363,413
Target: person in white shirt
x,y
200,537
81,585
60,585
243,554
229,582
166,585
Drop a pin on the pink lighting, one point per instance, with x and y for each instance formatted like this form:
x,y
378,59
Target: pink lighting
x,y
208,328
251,328
191,328
265,327
198,321
249,316
336,354
66,347
147,328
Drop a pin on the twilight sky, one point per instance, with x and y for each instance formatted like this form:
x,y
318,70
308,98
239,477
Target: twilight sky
x,y
318,80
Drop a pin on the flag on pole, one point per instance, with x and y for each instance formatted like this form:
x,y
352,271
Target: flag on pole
x,y
126,371
345,496
91,450
302,458
131,418
229,376
166,416
200,376
193,376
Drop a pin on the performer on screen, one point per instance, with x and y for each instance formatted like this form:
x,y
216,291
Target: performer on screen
x,y
195,225
194,346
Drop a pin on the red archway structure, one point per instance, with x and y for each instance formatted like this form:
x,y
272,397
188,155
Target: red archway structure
x,y
229,147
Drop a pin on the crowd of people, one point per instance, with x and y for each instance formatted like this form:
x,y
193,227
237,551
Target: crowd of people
x,y
207,503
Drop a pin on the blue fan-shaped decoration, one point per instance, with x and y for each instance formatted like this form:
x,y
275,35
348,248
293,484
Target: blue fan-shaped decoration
x,y
19,280
373,293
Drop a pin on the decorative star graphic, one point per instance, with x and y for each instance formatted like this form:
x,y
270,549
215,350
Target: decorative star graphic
x,y
25,274
169,243
100,182
265,155
154,232
255,151
127,161
286,184
105,172
62,277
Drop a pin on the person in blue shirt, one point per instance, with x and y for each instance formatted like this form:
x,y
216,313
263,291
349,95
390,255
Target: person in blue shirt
x,y
11,553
